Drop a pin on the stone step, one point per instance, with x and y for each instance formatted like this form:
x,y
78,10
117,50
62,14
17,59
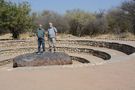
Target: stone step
x,y
107,44
113,53
24,50
93,60
79,46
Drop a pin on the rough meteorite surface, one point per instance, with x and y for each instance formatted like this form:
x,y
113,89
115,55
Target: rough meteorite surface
x,y
43,59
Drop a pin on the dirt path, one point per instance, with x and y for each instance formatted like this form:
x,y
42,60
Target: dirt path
x,y
118,75
114,76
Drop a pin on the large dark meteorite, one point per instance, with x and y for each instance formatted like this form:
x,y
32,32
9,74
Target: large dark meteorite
x,y
44,59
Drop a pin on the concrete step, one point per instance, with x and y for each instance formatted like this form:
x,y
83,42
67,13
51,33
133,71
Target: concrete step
x,y
93,60
113,53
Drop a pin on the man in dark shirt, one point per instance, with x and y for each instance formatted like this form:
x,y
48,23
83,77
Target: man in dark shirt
x,y
41,41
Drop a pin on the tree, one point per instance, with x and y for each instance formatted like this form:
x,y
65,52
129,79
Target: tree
x,y
15,18
100,24
117,22
58,21
20,20
3,16
78,20
129,8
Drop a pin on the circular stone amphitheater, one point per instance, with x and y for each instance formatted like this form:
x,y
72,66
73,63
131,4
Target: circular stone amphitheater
x,y
97,65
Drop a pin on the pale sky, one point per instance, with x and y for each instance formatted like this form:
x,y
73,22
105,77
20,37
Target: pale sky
x,y
61,6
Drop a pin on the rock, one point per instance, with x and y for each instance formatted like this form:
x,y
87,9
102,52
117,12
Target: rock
x,y
44,59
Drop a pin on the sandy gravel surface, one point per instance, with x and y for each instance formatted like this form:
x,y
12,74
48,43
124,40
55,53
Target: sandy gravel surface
x,y
113,76
119,75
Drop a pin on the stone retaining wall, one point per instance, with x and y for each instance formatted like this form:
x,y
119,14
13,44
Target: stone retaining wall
x,y
127,49
96,53
79,59
4,62
27,46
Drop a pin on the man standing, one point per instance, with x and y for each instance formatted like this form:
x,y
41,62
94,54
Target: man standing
x,y
41,41
52,33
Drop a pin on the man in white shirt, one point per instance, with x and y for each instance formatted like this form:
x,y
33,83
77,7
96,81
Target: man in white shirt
x,y
52,34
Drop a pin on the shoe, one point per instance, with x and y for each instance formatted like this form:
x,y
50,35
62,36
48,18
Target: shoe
x,y
42,51
50,50
38,53
54,50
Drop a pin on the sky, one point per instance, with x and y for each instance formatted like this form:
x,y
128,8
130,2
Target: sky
x,y
61,6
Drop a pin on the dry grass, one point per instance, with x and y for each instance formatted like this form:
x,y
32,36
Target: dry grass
x,y
126,36
28,36
5,36
25,36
